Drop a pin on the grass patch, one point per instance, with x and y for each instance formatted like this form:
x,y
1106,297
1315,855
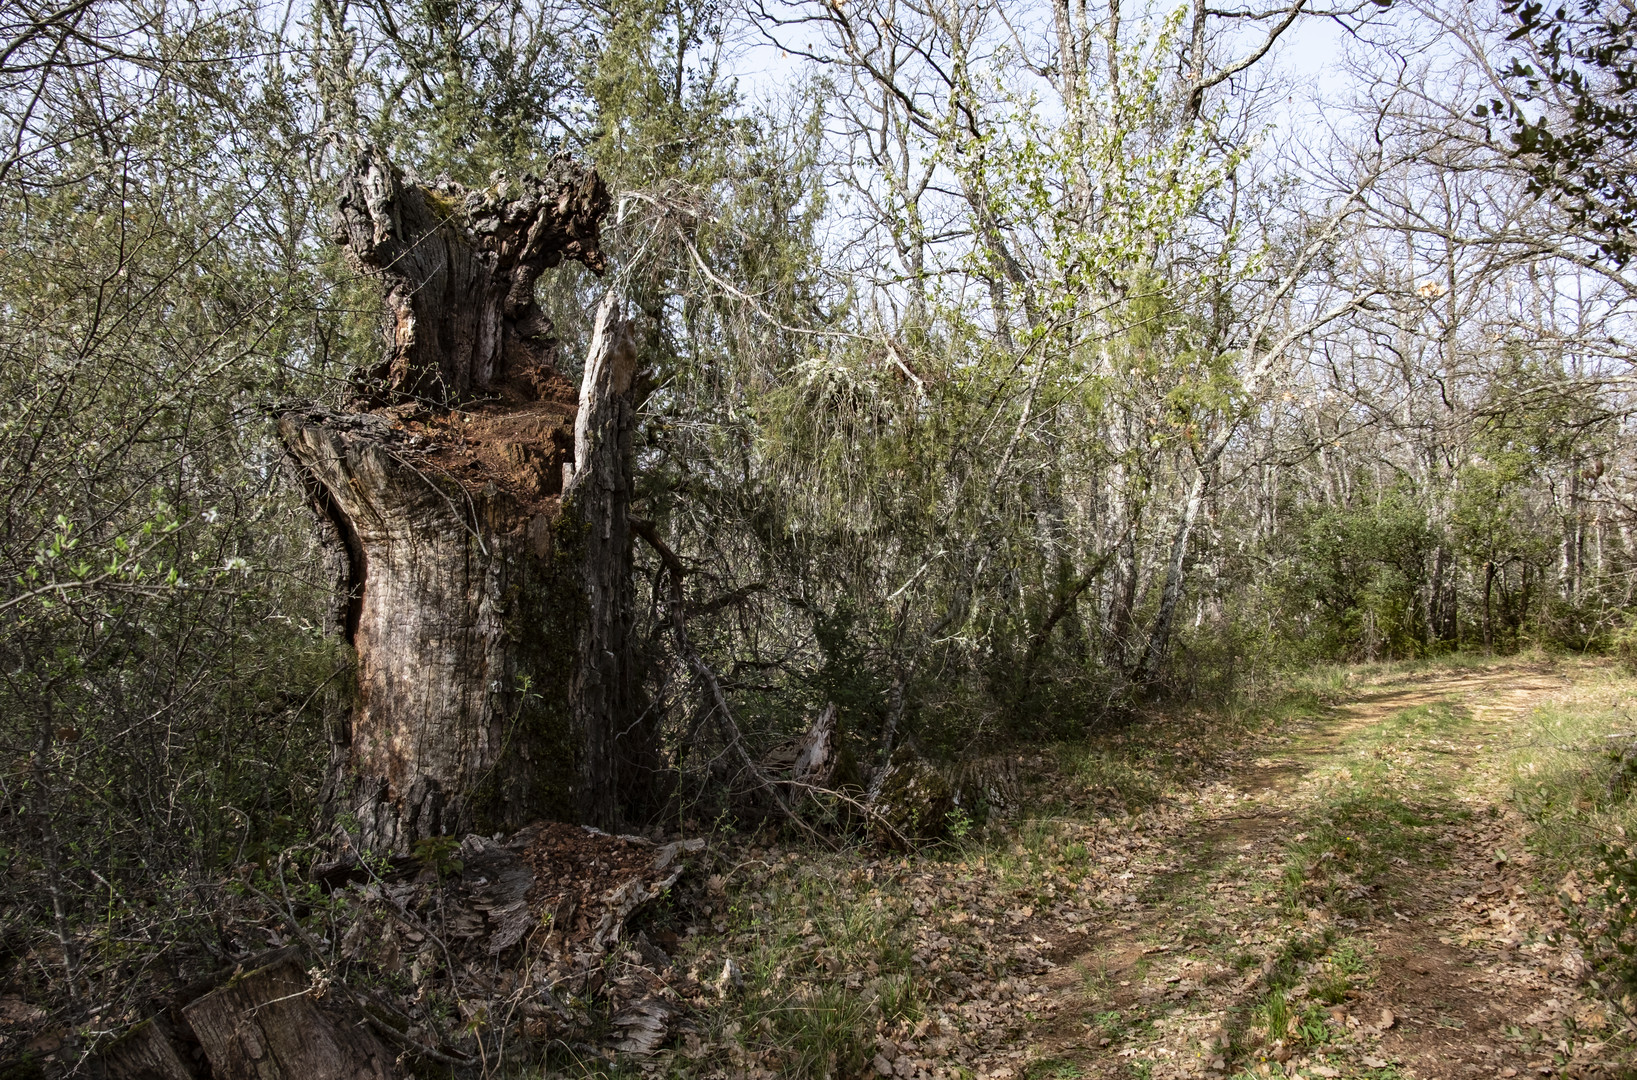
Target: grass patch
x,y
1345,970
1111,1024
1574,780
1378,812
1306,975
1570,779
1344,857
1136,765
1108,778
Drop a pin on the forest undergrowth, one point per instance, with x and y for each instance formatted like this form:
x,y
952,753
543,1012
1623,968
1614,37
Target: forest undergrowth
x,y
1365,875
1391,870
971,375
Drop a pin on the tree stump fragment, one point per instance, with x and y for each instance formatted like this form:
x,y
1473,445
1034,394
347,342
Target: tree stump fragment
x,y
149,1051
264,1025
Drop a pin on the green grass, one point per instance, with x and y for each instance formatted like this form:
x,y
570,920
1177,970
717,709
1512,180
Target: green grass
x,y
1577,789
1377,810
1110,778
1343,858
1346,678
1346,969
1111,1024
1572,782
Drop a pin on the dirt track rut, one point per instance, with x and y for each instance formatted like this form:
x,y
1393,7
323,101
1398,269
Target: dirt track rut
x,y
1355,902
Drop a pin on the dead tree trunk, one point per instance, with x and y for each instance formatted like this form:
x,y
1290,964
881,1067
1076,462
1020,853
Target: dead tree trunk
x,y
599,495
480,598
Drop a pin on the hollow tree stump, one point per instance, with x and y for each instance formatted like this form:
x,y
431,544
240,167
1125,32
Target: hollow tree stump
x,y
486,604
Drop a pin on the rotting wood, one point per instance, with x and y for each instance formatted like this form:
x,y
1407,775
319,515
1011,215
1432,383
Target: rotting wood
x,y
458,266
808,759
265,1025
149,1051
599,494
455,619
486,604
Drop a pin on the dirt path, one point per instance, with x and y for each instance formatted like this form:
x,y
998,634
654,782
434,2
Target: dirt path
x,y
1340,892
1355,903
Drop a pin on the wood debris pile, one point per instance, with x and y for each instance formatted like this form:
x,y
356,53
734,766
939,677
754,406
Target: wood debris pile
x,y
494,947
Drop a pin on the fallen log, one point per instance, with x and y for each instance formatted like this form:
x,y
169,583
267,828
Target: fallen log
x,y
265,1025
262,1022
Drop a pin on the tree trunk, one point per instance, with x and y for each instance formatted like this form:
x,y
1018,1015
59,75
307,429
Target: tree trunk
x,y
1489,587
600,496
1435,597
1159,637
458,269
482,599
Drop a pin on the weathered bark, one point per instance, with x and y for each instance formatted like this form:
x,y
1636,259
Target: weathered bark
x,y
599,495
262,1022
464,630
149,1051
1489,588
484,601
458,269
264,1025
1435,596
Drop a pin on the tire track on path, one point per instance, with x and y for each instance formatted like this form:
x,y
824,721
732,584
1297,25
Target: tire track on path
x,y
1353,903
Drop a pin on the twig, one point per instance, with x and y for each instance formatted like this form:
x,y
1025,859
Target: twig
x,y
415,1044
415,921
707,677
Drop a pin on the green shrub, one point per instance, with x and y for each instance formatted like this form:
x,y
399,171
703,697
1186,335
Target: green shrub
x,y
1623,644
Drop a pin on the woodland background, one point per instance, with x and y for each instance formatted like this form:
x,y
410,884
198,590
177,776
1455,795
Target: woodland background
x,y
1010,366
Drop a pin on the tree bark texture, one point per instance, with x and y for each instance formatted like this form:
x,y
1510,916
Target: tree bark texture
x,y
483,602
147,1052
599,495
264,1025
458,269
265,1021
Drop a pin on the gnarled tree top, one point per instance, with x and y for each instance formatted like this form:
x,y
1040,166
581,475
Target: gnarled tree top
x,y
458,268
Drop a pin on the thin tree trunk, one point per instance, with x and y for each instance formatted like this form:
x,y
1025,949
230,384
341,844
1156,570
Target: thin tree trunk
x,y
1435,596
1489,587
1159,637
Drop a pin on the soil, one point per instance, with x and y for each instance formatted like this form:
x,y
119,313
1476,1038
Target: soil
x,y
1461,980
